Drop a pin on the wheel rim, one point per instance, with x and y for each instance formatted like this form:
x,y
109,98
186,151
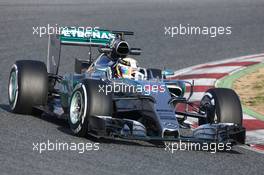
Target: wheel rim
x,y
13,89
208,105
76,107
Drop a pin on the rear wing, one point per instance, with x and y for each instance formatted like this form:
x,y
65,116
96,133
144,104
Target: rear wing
x,y
78,37
94,37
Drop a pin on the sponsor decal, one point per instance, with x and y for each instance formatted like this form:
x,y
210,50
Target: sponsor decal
x,y
95,34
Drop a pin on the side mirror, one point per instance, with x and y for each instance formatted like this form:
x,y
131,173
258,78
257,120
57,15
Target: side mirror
x,y
168,72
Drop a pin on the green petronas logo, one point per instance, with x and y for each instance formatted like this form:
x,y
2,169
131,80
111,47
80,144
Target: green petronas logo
x,y
95,34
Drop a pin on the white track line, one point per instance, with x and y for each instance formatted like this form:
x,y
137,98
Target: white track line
x,y
260,59
255,136
222,69
202,81
197,96
248,117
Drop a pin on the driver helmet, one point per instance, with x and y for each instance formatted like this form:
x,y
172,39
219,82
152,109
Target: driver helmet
x,y
126,68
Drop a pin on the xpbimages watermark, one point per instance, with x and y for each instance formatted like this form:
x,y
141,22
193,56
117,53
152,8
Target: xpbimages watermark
x,y
146,89
189,30
56,29
173,147
48,145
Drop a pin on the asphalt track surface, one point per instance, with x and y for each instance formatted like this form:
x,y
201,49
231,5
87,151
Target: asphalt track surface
x,y
147,19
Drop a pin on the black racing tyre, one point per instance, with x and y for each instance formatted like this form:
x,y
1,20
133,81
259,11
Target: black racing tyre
x,y
87,100
154,73
28,86
222,105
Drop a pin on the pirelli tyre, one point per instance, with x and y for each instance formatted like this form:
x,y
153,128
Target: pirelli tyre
x,y
87,100
28,86
221,105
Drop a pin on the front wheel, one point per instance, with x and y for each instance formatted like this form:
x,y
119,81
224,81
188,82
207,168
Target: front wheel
x,y
221,106
87,101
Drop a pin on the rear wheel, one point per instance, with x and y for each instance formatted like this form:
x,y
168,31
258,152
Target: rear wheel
x,y
87,101
221,106
28,86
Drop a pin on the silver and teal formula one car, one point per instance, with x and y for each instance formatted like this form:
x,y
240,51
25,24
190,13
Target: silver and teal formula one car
x,y
99,100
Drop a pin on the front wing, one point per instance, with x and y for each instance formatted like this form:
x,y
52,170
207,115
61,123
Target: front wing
x,y
108,127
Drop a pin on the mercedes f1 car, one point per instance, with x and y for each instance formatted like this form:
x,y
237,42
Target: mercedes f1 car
x,y
96,100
